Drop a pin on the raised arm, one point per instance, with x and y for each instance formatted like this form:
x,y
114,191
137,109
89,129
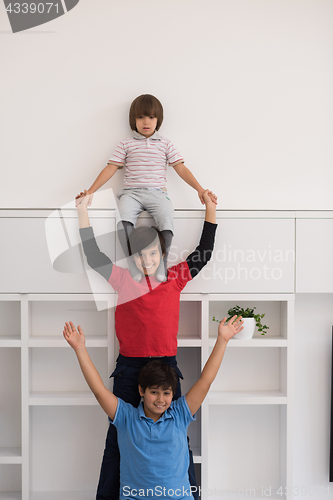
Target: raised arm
x,y
202,254
100,180
106,398
198,392
187,176
96,259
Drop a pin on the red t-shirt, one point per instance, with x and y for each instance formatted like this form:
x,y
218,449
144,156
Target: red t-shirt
x,y
147,313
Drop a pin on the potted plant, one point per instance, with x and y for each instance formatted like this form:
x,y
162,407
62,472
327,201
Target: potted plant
x,y
251,320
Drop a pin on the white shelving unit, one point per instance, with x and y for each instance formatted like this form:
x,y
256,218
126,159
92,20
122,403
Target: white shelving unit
x,y
242,438
253,392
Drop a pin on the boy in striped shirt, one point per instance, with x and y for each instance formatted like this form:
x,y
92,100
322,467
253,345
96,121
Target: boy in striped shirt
x,y
145,155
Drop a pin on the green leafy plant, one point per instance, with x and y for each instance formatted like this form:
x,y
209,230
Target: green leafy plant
x,y
247,313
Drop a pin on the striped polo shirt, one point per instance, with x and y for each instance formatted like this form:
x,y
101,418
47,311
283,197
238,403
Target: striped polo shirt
x,y
145,159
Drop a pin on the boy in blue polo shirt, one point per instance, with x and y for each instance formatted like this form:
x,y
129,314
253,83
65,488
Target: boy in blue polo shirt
x,y
152,438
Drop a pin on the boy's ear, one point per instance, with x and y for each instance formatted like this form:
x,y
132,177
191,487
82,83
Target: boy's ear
x,y
141,391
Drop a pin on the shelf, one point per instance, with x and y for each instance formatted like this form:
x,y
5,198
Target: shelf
x,y
61,342
247,398
255,342
196,456
189,342
10,495
13,341
62,399
62,495
10,456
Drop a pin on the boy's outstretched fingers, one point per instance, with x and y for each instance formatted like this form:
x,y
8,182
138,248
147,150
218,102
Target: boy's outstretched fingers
x,y
75,338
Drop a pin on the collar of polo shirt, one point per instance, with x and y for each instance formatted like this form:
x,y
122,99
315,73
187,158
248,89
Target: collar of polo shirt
x,y
155,136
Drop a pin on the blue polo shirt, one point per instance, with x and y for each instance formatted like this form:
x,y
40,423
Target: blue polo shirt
x,y
154,456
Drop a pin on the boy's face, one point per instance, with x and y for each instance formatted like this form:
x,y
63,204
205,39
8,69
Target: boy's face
x,y
156,401
148,260
146,125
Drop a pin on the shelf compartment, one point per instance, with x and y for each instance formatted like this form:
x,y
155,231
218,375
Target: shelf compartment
x,y
48,318
10,396
10,322
10,481
249,457
254,369
275,308
189,319
58,429
56,370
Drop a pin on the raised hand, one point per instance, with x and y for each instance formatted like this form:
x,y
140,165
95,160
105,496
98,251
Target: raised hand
x,y
75,338
228,330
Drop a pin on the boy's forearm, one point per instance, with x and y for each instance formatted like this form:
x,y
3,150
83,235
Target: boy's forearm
x,y
103,177
83,216
210,215
187,176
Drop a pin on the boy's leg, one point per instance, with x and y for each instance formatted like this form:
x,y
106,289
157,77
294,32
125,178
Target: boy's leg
x,y
108,485
129,207
160,208
125,386
124,229
167,236
191,471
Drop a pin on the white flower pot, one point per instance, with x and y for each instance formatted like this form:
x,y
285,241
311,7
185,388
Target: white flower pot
x,y
248,329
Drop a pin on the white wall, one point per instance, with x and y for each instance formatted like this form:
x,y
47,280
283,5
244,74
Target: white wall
x,y
246,86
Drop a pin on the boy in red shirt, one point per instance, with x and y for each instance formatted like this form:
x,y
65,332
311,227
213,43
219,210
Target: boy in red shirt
x,y
146,317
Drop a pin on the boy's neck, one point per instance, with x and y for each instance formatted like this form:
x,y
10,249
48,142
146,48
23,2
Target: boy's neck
x,y
149,415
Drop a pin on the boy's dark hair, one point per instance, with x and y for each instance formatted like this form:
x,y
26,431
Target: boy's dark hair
x,y
145,237
145,105
157,373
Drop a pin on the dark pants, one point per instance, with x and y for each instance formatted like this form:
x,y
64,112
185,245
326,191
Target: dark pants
x,y
125,386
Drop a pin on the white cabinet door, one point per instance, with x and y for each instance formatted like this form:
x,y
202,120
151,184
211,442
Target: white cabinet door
x,y
40,255
314,255
250,255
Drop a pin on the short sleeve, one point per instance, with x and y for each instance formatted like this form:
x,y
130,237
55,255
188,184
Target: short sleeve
x,y
119,155
181,409
172,155
121,415
117,278
181,274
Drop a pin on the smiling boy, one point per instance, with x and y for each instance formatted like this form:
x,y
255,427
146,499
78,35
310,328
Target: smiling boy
x,y
146,316
153,437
